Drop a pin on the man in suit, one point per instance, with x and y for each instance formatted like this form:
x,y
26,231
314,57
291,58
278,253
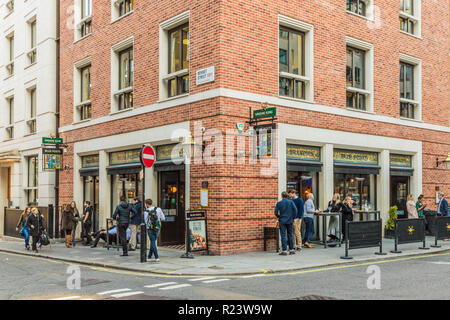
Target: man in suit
x,y
285,211
443,207
297,226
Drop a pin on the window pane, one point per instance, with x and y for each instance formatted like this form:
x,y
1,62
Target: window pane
x,y
349,70
86,84
362,8
186,47
284,87
131,67
86,8
33,34
184,84
11,111
11,49
299,90
126,68
295,53
409,82
358,59
33,103
172,87
284,47
402,81
174,51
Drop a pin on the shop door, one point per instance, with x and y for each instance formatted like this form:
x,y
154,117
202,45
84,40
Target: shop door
x,y
91,192
171,201
399,193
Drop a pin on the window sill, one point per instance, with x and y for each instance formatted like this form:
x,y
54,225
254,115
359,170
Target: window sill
x,y
121,17
8,140
174,98
296,99
124,90
30,188
8,77
120,111
29,134
8,14
30,65
82,38
411,35
359,110
409,119
81,121
358,15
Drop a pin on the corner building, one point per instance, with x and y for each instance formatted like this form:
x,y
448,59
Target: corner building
x,y
362,106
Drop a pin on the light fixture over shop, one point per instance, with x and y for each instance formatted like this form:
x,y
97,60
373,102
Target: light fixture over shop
x,y
446,162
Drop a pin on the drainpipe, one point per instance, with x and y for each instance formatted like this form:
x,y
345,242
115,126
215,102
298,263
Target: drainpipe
x,y
57,40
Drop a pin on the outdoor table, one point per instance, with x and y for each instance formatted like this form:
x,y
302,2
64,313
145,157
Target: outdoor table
x,y
324,216
367,214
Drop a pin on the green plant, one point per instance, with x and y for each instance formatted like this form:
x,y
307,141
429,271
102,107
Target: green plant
x,y
390,224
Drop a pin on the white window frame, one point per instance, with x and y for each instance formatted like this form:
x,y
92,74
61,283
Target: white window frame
x,y
416,17
29,118
10,63
32,51
164,75
9,7
9,126
115,67
308,78
417,78
77,103
79,21
368,72
115,13
369,10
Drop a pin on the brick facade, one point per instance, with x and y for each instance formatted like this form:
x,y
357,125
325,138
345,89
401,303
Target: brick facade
x,y
240,38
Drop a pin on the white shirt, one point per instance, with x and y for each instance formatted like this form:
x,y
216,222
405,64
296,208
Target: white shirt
x,y
159,213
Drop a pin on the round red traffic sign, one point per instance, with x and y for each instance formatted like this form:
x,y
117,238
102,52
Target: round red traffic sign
x,y
147,156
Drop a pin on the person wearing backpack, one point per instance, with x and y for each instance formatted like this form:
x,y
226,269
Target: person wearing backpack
x,y
153,217
124,211
22,225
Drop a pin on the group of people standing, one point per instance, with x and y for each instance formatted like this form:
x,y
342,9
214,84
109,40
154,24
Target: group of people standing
x,y
70,217
31,224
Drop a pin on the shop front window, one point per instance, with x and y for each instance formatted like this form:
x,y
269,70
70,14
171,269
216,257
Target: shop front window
x,y
360,187
304,183
128,185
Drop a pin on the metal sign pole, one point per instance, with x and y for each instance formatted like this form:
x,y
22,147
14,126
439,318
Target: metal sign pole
x,y
143,226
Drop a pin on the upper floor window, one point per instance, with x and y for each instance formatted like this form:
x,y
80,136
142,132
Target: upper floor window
x,y
10,65
355,74
85,103
33,179
125,6
10,125
357,6
10,6
178,78
292,63
407,90
32,111
126,78
32,53
86,18
409,11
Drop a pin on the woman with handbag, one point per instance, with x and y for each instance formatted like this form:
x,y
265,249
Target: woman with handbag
x,y
347,214
23,226
67,223
36,224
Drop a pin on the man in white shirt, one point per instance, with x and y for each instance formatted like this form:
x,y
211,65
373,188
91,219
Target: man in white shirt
x,y
153,231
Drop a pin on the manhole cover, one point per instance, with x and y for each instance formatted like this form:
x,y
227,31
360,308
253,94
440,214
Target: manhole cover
x,y
314,297
216,268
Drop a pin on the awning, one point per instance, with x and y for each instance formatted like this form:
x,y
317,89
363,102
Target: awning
x,y
169,165
89,172
401,172
128,168
309,166
356,169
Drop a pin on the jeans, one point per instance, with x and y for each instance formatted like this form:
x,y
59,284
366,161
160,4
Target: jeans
x,y
283,229
26,234
309,224
153,249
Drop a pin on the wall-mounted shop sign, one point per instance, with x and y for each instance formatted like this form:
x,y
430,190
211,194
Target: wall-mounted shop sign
x,y
122,157
305,153
52,158
165,152
265,113
400,160
46,140
264,142
355,157
90,161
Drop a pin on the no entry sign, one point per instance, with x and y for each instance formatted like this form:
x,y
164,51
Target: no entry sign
x,y
147,156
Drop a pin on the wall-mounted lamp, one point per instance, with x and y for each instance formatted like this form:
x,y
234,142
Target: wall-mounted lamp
x,y
446,162
66,167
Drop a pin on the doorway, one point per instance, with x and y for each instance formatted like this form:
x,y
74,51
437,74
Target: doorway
x,y
91,194
399,193
171,199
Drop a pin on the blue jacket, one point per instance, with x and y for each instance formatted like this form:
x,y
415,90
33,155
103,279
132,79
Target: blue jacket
x,y
300,207
285,211
136,218
444,207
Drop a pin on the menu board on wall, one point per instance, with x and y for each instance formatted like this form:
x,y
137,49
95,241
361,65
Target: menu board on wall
x,y
355,157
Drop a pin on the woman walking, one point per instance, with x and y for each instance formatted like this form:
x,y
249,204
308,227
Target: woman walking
x,y
76,215
334,206
23,226
67,222
347,214
36,223
411,207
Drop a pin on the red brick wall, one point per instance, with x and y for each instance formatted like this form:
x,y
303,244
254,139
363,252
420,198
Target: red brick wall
x,y
242,43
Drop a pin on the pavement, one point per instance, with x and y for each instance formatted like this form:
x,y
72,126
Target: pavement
x,y
209,265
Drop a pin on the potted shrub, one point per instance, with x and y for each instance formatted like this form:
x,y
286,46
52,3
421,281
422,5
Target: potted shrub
x,y
389,230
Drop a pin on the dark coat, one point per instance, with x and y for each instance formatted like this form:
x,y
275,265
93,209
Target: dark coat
x,y
37,222
335,207
23,221
88,210
68,219
285,211
444,207
123,213
346,210
300,207
136,218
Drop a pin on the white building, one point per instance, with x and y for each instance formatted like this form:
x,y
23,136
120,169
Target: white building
x,y
28,100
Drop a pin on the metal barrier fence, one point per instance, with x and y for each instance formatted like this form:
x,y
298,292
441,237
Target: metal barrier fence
x,y
442,230
363,234
409,231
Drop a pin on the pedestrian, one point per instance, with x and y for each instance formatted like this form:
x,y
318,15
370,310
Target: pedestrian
x,y
411,207
22,225
153,216
334,205
286,211
347,214
310,210
68,220
443,207
135,222
122,214
420,206
36,223
297,225
87,222
76,214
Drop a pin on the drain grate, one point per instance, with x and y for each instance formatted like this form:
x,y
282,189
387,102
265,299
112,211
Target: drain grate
x,y
314,297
